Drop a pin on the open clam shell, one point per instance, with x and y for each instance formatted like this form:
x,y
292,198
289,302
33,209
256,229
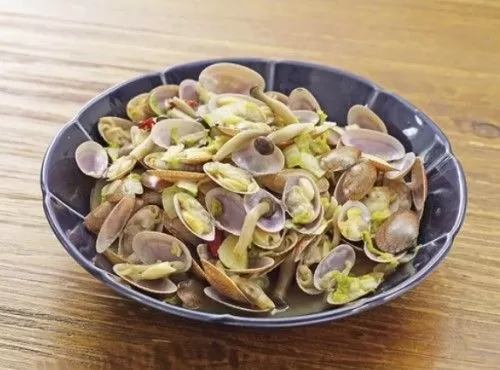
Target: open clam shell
x,y
301,199
227,209
288,243
165,132
236,142
93,221
114,223
266,240
115,130
187,90
278,96
152,246
138,108
155,286
231,178
149,217
401,167
190,292
402,199
276,182
222,283
418,185
92,159
275,220
307,116
222,78
222,99
302,99
375,143
340,159
194,216
213,294
304,277
365,118
354,218
159,96
175,227
260,156
336,260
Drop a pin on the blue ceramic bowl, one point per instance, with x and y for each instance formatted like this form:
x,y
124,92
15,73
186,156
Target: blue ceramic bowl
x,y
66,190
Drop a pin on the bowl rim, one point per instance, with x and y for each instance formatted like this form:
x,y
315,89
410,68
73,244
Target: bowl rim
x,y
356,307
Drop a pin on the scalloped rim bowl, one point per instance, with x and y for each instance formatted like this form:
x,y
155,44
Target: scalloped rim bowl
x,y
66,191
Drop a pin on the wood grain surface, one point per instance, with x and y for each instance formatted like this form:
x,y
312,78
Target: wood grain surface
x,y
443,55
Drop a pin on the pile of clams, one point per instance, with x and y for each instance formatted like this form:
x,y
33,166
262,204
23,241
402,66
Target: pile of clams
x,y
218,191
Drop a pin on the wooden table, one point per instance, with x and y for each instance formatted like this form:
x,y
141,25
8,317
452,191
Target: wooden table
x,y
444,56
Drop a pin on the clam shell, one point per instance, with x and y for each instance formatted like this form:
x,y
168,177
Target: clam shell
x,y
115,130
92,159
176,228
365,118
190,292
276,182
402,167
309,290
255,266
146,218
375,143
270,246
237,141
153,182
94,220
203,215
377,162
153,246
379,259
307,116
198,271
334,261
233,211
187,90
316,201
305,243
302,99
254,293
340,159
251,159
278,96
121,168
159,96
419,185
281,111
285,134
238,172
365,217
161,133
398,233
273,223
138,108
214,295
403,195
222,78
222,283
283,283
213,103
288,243
356,182
113,257
156,286
114,223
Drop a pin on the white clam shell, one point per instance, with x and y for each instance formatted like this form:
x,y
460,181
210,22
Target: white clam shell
x,y
92,159
161,133
375,143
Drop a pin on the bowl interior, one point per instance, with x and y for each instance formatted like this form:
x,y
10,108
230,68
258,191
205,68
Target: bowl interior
x,y
67,190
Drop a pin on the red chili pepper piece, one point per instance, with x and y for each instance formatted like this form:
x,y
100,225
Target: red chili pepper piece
x,y
213,246
192,103
147,124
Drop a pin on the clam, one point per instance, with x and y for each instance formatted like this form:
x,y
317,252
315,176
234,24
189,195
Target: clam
x,y
285,135
159,97
92,159
418,186
149,217
121,167
301,200
220,100
153,182
114,223
283,282
194,216
237,141
94,220
341,258
302,99
227,209
304,278
150,278
174,160
116,190
260,156
375,143
222,78
340,159
240,111
276,182
365,118
356,182
187,91
266,240
174,131
190,292
231,178
354,219
402,167
378,162
398,233
175,227
307,116
115,130
400,197
222,283
288,243
283,115
138,108
264,210
306,243
378,203
254,293
278,96
240,263
152,246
